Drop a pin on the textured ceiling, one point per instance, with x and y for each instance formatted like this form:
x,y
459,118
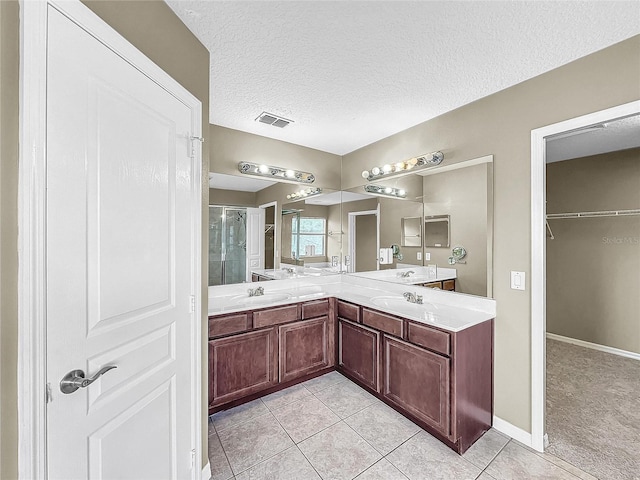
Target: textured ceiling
x,y
350,73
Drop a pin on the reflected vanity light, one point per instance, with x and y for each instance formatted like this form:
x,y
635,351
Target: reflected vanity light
x,y
386,191
276,173
414,164
306,193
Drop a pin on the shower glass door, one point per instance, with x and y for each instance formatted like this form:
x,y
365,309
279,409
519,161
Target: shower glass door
x,y
227,245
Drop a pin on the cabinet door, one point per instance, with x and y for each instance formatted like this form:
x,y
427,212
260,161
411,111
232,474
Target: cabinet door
x,y
359,352
241,365
304,348
417,381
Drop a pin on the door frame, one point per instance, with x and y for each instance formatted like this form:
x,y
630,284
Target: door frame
x,y
538,255
32,294
352,237
276,235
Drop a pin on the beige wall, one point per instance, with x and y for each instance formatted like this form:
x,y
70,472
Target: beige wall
x,y
9,67
593,264
463,194
154,29
232,198
229,147
501,125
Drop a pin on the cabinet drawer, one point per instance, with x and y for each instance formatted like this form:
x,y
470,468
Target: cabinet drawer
x,y
226,325
437,285
430,338
274,316
380,321
348,311
316,308
449,285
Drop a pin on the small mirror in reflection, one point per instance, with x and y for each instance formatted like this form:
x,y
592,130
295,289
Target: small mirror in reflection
x,y
436,231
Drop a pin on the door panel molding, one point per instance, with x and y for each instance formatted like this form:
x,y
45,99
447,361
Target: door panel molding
x,y
32,409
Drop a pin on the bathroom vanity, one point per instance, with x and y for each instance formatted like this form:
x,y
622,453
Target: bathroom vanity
x,y
431,362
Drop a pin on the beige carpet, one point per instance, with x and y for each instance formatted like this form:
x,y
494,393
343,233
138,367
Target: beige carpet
x,y
593,410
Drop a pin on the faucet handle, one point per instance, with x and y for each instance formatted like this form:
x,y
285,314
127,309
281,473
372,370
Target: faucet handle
x,y
419,299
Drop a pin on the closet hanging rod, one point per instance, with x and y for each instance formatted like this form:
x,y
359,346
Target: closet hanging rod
x,y
603,213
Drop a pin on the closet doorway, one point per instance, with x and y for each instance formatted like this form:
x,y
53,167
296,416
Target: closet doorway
x,y
585,307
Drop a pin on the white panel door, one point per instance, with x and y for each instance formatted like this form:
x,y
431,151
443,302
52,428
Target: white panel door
x,y
119,265
255,239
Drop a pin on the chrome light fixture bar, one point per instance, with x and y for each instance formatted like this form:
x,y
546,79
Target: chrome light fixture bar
x,y
386,191
412,165
276,173
306,193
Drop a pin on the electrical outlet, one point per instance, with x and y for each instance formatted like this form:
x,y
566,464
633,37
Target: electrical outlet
x,y
518,280
427,256
419,255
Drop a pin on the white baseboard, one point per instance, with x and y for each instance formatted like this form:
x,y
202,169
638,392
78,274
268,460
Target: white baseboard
x,y
594,346
206,472
512,431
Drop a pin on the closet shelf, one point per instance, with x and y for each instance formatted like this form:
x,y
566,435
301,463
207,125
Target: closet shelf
x,y
602,213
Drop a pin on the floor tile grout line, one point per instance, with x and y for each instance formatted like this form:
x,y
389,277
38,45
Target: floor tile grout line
x,y
268,412
495,456
233,475
541,455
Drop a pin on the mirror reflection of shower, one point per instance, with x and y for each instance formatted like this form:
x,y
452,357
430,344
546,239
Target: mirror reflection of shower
x,y
227,245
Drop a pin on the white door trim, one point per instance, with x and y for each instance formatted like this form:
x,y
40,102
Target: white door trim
x,y
32,295
538,254
276,250
352,238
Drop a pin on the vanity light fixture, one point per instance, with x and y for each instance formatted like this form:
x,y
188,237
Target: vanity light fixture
x,y
307,192
276,173
386,191
413,164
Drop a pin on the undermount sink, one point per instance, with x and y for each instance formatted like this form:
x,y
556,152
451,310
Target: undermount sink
x,y
399,303
259,299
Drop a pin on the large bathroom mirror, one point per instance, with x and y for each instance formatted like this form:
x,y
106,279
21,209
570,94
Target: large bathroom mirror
x,y
455,206
265,230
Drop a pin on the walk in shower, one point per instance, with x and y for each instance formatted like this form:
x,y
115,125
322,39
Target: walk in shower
x,y
227,245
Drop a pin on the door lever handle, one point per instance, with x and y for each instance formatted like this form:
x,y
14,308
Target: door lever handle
x,y
75,379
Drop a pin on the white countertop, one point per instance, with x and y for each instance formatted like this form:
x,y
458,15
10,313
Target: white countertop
x,y
447,310
415,276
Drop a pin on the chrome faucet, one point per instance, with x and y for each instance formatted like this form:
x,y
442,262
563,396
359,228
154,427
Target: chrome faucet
x,y
407,274
289,270
412,297
256,292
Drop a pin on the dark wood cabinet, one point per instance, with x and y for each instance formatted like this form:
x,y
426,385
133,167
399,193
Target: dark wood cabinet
x,y
440,379
449,285
359,352
242,364
304,348
417,381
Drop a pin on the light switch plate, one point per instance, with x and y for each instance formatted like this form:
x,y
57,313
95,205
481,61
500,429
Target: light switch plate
x,y
518,280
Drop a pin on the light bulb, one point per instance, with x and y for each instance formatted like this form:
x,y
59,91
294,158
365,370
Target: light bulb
x,y
388,190
289,174
365,174
263,169
400,166
401,193
375,171
386,168
289,197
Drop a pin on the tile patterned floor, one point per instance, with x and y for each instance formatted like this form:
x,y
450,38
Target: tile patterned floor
x,y
331,429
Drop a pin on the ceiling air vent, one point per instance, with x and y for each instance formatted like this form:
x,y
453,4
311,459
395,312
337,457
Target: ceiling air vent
x,y
271,119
